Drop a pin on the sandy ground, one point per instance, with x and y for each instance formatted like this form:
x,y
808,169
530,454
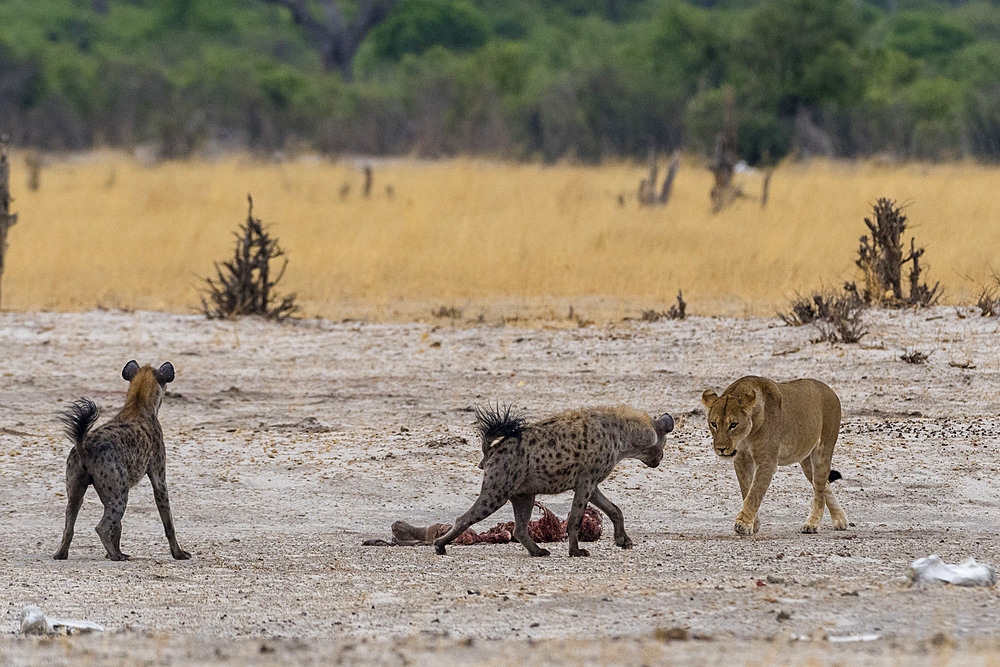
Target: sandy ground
x,y
290,444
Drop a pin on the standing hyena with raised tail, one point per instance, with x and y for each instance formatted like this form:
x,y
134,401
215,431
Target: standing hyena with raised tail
x,y
115,456
574,450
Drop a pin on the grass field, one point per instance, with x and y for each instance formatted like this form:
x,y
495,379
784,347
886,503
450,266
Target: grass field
x,y
486,238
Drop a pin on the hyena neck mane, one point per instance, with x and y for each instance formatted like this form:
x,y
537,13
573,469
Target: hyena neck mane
x,y
635,427
144,394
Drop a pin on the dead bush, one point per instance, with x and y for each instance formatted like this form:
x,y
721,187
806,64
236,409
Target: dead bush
x,y
988,302
881,260
243,285
678,311
914,356
448,312
836,315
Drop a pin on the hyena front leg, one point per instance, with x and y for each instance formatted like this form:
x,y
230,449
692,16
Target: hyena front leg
x,y
109,528
602,503
504,472
581,496
157,477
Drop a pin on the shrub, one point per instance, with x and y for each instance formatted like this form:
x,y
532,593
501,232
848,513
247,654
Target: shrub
x,y
243,285
881,261
836,315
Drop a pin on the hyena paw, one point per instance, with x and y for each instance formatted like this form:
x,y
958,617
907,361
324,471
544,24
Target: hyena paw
x,y
180,554
809,528
578,552
439,548
59,555
541,553
625,542
119,557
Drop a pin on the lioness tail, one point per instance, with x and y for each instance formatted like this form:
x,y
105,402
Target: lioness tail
x,y
834,476
78,418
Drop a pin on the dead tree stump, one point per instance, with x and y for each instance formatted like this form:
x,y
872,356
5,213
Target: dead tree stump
x,y
369,178
7,219
33,161
648,195
725,190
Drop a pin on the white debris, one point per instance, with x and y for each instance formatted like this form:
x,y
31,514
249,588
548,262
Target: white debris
x,y
854,638
35,622
931,569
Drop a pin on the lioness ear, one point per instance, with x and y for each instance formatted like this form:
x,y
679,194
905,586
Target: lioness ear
x,y
709,398
165,373
747,399
131,368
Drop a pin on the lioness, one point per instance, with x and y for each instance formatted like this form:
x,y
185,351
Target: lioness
x,y
762,424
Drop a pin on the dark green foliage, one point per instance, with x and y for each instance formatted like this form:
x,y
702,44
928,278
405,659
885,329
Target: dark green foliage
x,y
417,25
589,79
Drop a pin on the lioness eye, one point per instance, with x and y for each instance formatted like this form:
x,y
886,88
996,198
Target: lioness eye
x,y
733,425
712,424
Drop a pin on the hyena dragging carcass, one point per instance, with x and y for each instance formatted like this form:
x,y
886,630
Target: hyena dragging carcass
x,y
115,456
574,450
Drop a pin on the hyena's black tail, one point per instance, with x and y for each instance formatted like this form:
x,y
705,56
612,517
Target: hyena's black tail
x,y
834,476
78,418
497,423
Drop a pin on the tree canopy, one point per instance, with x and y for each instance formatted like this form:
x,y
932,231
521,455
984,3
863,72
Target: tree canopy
x,y
526,79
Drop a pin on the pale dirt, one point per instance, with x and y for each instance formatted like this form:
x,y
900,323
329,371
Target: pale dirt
x,y
287,445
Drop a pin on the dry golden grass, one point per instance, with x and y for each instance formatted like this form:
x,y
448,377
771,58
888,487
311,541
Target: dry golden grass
x,y
500,239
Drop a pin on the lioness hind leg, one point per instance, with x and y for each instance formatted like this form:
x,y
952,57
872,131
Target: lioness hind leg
x,y
836,513
819,484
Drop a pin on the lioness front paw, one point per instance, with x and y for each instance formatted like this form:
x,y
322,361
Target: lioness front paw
x,y
809,528
745,526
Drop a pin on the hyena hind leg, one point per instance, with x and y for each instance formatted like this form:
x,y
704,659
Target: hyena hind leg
x,y
523,506
499,484
77,482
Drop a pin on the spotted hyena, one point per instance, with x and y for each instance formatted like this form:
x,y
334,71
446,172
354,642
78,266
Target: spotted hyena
x,y
115,456
574,450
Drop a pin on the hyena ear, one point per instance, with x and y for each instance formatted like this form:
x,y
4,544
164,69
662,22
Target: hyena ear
x,y
747,399
709,398
664,424
164,373
131,368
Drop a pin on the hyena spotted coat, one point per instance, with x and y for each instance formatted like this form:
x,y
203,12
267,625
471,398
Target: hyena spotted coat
x,y
571,451
115,456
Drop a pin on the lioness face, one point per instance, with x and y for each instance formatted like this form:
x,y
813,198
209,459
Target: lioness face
x,y
729,420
